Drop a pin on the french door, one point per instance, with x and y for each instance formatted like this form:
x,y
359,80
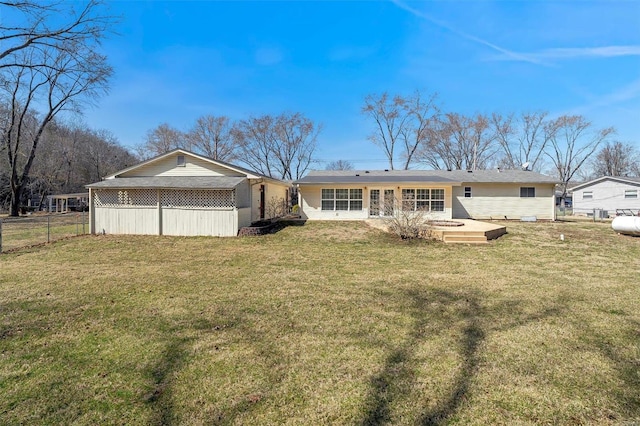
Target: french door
x,y
381,206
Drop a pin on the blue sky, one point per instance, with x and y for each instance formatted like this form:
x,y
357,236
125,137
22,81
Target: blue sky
x,y
176,61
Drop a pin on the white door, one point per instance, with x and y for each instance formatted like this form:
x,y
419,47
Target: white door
x,y
381,206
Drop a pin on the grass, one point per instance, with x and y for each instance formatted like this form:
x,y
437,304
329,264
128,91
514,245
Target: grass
x,y
330,323
26,231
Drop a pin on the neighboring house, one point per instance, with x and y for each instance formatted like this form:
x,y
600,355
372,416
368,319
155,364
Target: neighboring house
x,y
182,193
607,194
457,194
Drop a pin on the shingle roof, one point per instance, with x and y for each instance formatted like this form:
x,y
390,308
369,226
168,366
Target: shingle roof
x,y
441,176
170,182
623,179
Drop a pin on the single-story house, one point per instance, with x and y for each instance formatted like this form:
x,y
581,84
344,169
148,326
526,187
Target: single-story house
x,y
182,193
454,194
607,194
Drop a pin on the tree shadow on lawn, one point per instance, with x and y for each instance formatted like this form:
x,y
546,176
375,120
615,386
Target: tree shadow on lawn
x,y
626,365
399,367
440,310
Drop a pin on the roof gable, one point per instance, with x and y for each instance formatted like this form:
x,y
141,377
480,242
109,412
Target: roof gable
x,y
194,165
628,180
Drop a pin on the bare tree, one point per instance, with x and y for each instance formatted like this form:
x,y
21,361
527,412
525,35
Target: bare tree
x,y
280,147
339,165
522,139
571,144
35,27
161,139
212,137
70,156
401,123
616,159
49,73
458,142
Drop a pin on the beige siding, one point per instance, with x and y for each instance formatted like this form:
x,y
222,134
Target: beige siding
x,y
134,220
187,222
311,202
168,167
274,194
497,201
607,195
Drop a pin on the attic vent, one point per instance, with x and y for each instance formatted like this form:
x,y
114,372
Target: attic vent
x,y
180,161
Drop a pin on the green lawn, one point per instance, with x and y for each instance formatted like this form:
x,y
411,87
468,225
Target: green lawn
x,y
26,231
329,323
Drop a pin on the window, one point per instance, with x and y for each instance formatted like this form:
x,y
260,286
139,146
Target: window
x,y
587,195
527,192
467,192
341,199
423,199
328,199
180,161
437,200
631,193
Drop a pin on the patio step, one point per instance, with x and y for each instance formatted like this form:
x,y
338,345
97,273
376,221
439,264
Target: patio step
x,y
465,238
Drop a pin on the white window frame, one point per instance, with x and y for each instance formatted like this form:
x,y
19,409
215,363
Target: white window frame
x,y
414,199
352,200
528,192
181,161
467,192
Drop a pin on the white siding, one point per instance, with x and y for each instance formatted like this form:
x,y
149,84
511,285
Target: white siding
x,y
243,194
244,217
187,222
311,202
168,218
500,200
193,167
133,220
607,195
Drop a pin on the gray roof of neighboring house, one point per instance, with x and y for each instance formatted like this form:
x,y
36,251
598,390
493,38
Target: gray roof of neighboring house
x,y
170,182
623,179
394,176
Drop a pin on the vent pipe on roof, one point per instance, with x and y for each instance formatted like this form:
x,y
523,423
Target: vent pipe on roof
x,y
366,171
386,170
357,174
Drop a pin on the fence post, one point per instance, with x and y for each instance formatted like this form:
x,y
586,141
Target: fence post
x,y
48,229
77,225
0,235
83,231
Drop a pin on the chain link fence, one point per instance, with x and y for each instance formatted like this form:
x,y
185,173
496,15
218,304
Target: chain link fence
x,y
17,232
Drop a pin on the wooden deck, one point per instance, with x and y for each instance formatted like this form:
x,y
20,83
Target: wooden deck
x,y
471,232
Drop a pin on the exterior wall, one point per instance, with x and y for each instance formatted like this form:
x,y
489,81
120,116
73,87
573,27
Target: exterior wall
x,y
187,222
273,192
168,167
244,217
243,195
608,195
130,220
311,201
500,200
155,217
